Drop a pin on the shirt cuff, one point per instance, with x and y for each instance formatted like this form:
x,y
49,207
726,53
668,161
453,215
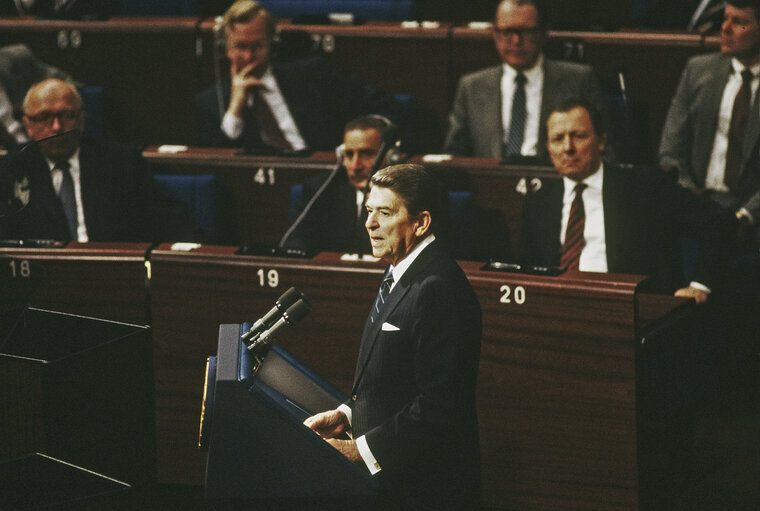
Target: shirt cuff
x,y
699,286
232,126
745,214
346,411
372,465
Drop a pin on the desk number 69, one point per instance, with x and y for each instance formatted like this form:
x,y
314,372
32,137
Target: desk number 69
x,y
510,295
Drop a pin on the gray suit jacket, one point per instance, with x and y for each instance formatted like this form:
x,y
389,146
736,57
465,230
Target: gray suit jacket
x,y
475,124
689,131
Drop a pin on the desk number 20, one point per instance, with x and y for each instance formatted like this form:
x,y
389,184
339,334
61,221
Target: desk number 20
x,y
269,278
509,295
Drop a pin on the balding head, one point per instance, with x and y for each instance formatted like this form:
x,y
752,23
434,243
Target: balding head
x,y
52,107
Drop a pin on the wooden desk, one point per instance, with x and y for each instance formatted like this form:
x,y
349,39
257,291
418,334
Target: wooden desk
x,y
557,394
259,190
101,280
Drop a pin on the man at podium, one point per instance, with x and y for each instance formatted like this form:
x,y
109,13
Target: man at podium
x,y
411,418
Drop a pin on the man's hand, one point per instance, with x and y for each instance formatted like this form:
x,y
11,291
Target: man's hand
x,y
346,447
692,292
242,82
328,424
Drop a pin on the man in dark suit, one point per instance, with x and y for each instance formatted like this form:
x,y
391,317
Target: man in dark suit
x,y
267,106
412,415
335,222
711,138
75,188
629,219
494,115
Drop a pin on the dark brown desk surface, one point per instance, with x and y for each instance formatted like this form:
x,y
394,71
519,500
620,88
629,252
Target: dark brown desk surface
x,y
556,394
260,189
101,280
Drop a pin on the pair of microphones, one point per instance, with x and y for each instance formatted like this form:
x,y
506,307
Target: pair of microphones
x,y
288,310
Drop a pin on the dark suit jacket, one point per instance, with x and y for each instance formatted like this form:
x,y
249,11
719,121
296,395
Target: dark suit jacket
x,y
332,224
475,124
120,199
645,213
320,100
414,387
689,132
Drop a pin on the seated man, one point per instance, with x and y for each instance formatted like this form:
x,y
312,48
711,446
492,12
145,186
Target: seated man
x,y
277,107
497,111
71,187
335,222
605,218
711,134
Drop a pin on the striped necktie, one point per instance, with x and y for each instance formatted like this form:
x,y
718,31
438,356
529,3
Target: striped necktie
x,y
67,198
517,119
574,242
385,289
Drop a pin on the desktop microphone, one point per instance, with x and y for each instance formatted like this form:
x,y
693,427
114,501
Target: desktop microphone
x,y
290,317
282,304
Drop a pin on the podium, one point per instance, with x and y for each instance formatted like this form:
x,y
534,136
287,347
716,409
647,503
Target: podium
x,y
258,449
79,390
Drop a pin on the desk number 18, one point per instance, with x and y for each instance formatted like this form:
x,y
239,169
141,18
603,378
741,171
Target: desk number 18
x,y
20,269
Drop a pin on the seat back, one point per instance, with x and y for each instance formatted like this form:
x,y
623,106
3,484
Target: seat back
x,y
200,194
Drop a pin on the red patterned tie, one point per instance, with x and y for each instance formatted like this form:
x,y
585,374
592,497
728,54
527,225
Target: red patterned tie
x,y
270,130
574,242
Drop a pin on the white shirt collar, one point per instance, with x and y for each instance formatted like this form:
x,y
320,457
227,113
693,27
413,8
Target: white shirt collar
x,y
406,262
594,181
531,74
738,67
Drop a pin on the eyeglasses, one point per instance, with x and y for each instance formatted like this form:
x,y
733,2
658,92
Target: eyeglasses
x,y
253,47
46,118
522,33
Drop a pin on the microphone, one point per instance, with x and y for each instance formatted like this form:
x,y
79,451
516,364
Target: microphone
x,y
287,299
290,317
620,70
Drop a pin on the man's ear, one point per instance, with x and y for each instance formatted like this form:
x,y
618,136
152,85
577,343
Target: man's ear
x,y
423,224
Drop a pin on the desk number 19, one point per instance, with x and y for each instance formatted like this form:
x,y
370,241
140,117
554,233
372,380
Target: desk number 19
x,y
20,269
269,278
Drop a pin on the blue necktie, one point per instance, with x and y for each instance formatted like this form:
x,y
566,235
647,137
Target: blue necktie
x,y
517,120
68,201
385,289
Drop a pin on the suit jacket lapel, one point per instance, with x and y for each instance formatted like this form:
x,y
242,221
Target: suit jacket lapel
x,y
615,213
752,135
493,123
553,219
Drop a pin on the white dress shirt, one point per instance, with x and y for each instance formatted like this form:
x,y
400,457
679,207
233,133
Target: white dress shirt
x,y
232,126
534,84
716,169
594,253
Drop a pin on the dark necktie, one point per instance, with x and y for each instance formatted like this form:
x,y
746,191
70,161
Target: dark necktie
x,y
571,250
517,119
270,130
385,288
739,116
67,198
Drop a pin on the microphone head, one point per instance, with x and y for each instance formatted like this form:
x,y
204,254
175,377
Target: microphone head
x,y
297,312
288,298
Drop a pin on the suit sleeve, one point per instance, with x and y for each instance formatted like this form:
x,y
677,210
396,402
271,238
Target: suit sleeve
x,y
458,137
677,135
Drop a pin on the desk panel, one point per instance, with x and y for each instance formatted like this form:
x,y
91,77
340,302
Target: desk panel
x,y
101,280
